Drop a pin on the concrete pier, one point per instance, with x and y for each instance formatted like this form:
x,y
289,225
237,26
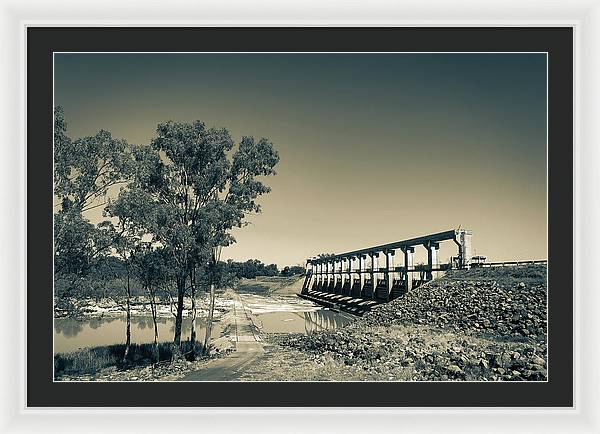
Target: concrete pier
x,y
432,259
389,274
374,266
409,253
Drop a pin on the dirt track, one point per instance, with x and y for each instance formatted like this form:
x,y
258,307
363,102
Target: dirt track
x,y
248,347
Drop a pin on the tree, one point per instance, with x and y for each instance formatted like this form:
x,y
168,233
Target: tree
x,y
236,198
151,266
271,270
76,244
198,194
292,270
84,170
131,208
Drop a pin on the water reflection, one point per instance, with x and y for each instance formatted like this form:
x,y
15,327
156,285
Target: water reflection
x,y
71,334
324,320
300,322
68,328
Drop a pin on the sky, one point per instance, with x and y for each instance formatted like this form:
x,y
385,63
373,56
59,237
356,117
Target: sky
x,y
374,148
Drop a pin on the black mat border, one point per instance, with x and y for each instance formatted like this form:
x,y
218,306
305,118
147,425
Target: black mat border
x,y
43,41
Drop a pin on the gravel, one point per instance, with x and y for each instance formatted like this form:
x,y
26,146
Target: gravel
x,y
492,301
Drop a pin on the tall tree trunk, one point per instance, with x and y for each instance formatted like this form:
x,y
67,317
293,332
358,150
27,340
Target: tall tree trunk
x,y
128,330
213,268
154,315
209,320
194,315
178,319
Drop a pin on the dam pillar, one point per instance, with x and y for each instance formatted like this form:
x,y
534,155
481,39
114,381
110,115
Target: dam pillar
x,y
341,275
313,276
409,253
389,274
333,275
321,275
361,273
374,274
308,275
349,275
432,260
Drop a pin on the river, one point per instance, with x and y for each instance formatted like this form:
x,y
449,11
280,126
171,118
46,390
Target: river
x,y
268,314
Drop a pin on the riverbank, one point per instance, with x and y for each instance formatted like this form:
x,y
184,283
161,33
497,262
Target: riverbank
x,y
115,307
140,306
248,315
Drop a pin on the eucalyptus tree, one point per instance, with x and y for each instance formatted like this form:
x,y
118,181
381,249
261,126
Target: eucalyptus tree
x,y
84,171
130,209
151,267
200,187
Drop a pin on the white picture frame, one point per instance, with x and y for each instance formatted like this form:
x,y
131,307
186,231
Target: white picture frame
x,y
583,16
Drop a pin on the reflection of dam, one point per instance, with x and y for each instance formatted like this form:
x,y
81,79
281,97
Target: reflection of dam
x,y
323,320
300,321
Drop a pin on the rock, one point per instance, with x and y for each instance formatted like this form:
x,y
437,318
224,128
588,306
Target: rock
x,y
220,345
473,305
454,369
537,360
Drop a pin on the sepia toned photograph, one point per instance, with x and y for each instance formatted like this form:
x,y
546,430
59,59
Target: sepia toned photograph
x,y
300,217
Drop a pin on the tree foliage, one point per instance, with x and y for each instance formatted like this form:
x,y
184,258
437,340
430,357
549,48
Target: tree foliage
x,y
292,270
85,168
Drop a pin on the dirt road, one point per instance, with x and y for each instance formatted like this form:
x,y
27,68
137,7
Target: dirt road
x,y
248,347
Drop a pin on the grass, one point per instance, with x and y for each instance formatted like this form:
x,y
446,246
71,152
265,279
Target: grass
x,y
91,360
532,274
265,285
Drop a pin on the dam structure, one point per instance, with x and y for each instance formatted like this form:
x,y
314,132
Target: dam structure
x,y
356,281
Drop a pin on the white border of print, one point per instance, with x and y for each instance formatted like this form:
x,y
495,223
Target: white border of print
x,y
584,15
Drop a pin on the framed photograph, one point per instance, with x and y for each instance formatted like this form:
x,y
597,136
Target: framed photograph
x,y
312,221
420,252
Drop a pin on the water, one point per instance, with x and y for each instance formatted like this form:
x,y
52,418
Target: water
x,y
300,322
269,314
71,334
276,314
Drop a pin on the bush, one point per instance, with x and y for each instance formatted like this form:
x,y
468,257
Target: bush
x,y
91,360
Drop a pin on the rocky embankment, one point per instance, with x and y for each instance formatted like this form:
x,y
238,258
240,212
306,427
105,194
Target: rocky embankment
x,y
479,324
509,301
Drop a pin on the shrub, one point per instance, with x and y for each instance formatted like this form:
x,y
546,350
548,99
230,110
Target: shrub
x,y
91,360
